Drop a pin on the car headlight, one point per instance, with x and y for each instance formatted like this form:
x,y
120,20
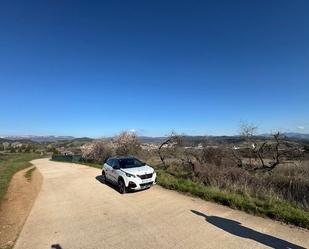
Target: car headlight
x,y
130,175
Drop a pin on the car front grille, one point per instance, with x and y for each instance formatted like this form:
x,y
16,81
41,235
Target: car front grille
x,y
146,176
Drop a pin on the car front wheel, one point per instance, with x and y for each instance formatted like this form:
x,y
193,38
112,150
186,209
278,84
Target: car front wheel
x,y
103,177
121,186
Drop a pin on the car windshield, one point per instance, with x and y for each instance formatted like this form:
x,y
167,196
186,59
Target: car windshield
x,y
126,163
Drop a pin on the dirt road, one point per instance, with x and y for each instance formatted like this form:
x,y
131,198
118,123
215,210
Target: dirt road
x,y
74,210
20,197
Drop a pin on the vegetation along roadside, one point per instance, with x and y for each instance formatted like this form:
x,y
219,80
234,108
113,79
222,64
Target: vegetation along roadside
x,y
10,163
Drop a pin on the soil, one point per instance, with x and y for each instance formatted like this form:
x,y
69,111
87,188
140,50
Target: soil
x,y
17,205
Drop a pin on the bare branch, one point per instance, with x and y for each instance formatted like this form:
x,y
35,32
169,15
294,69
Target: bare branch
x,y
170,142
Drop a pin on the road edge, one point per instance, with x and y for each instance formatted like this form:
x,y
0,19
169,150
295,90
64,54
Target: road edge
x,y
17,204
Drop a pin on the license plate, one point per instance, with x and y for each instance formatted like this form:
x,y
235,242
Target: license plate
x,y
146,180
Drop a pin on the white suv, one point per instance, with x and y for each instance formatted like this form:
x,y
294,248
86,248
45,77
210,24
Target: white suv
x,y
128,173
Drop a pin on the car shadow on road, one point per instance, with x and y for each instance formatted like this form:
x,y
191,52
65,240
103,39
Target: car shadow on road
x,y
114,187
237,229
100,179
56,246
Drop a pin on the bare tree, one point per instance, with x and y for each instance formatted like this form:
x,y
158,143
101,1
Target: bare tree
x,y
254,155
278,150
172,141
262,155
248,130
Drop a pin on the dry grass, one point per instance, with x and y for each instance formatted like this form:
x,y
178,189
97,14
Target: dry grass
x,y
28,174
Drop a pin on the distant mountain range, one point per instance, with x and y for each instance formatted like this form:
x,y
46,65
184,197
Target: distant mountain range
x,y
145,139
39,139
297,135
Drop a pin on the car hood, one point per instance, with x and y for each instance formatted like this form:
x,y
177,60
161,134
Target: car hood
x,y
139,170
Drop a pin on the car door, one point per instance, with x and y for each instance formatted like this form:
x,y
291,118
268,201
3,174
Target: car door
x,y
108,169
114,171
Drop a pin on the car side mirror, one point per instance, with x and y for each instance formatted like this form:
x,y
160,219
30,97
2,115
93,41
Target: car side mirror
x,y
116,167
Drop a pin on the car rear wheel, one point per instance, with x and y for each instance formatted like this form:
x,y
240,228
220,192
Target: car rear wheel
x,y
121,186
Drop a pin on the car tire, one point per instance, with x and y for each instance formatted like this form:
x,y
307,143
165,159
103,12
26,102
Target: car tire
x,y
121,186
103,177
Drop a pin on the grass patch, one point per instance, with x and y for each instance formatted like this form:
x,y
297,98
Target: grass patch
x,y
9,165
28,174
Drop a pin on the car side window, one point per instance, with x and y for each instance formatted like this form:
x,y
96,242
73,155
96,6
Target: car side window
x,y
115,163
109,162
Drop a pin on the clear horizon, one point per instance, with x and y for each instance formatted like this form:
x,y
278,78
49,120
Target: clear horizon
x,y
194,67
139,134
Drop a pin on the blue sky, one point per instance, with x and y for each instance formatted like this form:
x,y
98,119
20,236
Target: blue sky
x,y
94,68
